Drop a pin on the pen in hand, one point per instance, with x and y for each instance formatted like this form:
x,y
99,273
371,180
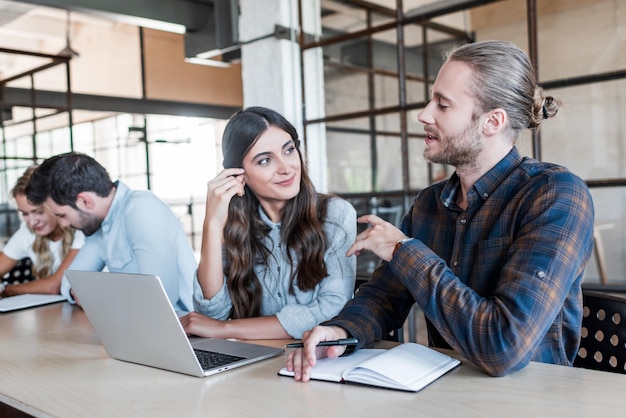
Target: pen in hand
x,y
343,341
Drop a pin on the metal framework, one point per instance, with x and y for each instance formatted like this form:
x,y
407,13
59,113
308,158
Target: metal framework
x,y
422,17
31,97
67,101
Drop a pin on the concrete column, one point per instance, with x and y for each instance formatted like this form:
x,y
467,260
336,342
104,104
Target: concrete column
x,y
271,70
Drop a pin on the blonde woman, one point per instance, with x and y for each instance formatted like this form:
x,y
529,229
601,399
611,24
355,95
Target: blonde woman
x,y
41,238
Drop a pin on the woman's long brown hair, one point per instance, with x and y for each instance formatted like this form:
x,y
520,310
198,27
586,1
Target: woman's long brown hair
x,y
301,225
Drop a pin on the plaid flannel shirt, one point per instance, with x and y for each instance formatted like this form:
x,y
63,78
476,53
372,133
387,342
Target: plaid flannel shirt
x,y
498,282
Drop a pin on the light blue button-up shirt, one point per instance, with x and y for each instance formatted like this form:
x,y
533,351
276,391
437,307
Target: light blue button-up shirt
x,y
302,310
141,234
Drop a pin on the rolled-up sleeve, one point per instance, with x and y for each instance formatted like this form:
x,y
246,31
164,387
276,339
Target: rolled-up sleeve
x,y
218,307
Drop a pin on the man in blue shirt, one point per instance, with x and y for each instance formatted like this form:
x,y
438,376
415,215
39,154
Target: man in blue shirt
x,y
493,256
129,231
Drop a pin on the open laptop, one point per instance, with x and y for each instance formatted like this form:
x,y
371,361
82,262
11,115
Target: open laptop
x,y
136,322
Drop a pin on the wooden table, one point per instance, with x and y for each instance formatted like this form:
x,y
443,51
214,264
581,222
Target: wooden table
x,y
51,364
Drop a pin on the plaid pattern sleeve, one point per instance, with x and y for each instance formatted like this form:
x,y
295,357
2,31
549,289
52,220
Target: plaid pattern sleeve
x,y
498,282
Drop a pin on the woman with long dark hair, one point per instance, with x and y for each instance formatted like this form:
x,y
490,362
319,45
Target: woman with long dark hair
x,y
273,259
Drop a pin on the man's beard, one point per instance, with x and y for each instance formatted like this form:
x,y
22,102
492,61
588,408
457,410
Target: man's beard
x,y
459,150
89,224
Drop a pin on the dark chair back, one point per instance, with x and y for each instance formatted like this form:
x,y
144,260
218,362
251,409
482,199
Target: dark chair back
x,y
603,333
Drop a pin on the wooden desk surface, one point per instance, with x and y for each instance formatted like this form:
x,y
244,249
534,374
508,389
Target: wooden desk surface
x,y
51,364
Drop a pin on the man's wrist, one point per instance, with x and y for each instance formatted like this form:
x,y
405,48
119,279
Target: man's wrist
x,y
350,348
399,244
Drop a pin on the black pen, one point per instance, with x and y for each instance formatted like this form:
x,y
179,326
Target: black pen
x,y
343,341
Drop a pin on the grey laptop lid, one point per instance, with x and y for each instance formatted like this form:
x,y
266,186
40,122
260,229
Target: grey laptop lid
x,y
136,322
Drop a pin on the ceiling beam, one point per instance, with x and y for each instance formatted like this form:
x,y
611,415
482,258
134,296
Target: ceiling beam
x,y
58,100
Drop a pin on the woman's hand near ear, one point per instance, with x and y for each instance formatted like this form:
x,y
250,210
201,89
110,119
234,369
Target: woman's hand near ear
x,y
220,191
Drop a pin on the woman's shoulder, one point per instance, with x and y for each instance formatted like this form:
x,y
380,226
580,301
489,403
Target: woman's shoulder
x,y
79,239
340,214
340,220
339,207
24,232
19,242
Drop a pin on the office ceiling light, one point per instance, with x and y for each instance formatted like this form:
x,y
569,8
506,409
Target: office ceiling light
x,y
148,23
207,62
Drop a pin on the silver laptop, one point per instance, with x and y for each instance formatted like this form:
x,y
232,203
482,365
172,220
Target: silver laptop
x,y
136,322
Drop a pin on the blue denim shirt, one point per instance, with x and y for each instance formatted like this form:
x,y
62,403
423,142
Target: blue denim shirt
x,y
141,234
300,311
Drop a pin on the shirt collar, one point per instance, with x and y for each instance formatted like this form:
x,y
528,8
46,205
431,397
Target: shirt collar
x,y
487,183
267,219
120,192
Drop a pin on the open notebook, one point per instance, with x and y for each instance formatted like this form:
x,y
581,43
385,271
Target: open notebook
x,y
136,322
407,366
13,303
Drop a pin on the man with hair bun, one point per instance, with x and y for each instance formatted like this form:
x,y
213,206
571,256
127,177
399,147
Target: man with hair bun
x,y
494,256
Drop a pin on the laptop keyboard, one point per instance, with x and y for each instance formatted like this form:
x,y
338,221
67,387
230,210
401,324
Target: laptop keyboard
x,y
209,359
